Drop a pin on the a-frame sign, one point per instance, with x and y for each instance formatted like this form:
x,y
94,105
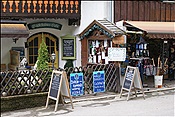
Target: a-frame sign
x,y
132,81
59,88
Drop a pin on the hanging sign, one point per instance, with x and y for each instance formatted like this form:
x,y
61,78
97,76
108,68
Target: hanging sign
x,y
59,87
76,84
98,81
131,81
37,25
116,54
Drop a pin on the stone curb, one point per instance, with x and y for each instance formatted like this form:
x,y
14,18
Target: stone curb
x,y
117,95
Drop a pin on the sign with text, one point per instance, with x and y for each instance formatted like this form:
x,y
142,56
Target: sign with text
x,y
132,81
98,81
116,54
55,85
37,25
58,88
76,84
68,47
128,78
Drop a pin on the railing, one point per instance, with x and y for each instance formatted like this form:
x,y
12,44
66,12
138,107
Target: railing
x,y
41,9
31,81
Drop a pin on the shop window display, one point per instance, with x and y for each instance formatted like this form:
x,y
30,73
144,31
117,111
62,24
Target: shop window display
x,y
171,63
98,51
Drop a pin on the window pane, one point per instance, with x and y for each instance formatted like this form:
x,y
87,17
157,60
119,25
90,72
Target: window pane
x,y
36,41
52,50
47,41
30,60
52,43
35,59
30,51
35,51
31,43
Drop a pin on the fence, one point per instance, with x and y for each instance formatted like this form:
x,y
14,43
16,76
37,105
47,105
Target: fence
x,y
32,81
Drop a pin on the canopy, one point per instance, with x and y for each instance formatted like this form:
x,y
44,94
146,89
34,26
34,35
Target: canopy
x,y
163,30
13,29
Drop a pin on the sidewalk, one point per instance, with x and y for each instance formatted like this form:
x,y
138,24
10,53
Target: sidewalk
x,y
100,101
168,87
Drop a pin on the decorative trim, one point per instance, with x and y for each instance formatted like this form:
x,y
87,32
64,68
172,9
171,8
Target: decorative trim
x,y
94,27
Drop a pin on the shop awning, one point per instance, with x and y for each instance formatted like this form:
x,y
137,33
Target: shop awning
x,y
13,29
162,30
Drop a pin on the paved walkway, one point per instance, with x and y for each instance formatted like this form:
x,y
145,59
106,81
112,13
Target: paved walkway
x,y
100,101
168,87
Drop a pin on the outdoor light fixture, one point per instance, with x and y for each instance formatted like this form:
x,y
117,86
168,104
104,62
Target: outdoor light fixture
x,y
53,57
168,1
15,40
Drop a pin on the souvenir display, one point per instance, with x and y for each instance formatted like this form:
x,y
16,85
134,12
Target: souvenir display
x,y
98,51
171,62
141,48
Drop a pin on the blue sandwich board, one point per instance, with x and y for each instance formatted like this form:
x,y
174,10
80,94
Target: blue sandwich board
x,y
76,84
98,81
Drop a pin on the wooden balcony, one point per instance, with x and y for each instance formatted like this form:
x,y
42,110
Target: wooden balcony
x,y
19,9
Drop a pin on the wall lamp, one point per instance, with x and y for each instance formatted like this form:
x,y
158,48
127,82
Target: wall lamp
x,y
15,39
53,57
168,1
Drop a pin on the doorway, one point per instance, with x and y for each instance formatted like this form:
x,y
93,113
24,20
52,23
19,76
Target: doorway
x,y
33,43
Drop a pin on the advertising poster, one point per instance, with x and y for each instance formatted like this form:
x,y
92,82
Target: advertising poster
x,y
98,81
76,84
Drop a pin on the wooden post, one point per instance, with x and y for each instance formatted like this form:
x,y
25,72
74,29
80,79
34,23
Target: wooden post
x,y
158,69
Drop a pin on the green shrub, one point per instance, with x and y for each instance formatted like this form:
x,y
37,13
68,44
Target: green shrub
x,y
68,64
43,56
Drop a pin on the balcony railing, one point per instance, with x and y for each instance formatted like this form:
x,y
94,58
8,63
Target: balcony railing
x,y
18,9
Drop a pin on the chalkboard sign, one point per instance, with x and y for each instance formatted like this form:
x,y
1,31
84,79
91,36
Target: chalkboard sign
x,y
59,87
68,47
132,79
76,84
55,85
98,81
127,84
129,75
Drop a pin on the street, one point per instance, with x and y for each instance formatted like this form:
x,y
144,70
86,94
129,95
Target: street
x,y
155,104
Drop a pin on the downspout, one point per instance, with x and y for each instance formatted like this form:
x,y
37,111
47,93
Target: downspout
x,y
112,11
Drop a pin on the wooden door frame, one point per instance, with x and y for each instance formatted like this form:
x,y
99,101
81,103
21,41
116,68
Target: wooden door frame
x,y
53,38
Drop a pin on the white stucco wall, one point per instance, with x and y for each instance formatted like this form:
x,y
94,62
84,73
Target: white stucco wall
x,y
90,10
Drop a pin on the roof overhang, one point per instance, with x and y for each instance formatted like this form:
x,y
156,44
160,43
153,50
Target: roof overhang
x,y
109,29
162,30
13,29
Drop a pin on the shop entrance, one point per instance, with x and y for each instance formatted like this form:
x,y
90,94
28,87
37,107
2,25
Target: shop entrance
x,y
166,50
33,44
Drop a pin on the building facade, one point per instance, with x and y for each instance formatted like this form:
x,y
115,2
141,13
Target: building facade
x,y
55,20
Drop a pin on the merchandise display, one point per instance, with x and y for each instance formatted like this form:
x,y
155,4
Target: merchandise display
x,y
98,51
